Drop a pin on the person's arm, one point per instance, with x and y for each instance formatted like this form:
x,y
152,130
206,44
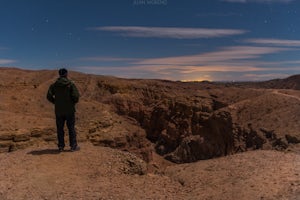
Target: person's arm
x,y
74,93
50,94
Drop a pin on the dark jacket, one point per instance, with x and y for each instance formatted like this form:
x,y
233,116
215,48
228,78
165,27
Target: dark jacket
x,y
64,94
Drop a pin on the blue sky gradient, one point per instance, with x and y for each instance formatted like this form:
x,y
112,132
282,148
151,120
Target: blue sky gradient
x,y
218,40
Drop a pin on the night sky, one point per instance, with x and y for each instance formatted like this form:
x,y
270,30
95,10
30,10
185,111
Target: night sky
x,y
192,40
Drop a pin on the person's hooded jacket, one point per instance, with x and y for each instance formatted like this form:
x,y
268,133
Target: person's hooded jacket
x,y
64,95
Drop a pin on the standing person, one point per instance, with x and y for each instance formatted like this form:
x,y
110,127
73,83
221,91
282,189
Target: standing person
x,y
64,95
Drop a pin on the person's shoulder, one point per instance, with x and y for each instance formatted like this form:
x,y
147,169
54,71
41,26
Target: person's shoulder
x,y
56,80
72,82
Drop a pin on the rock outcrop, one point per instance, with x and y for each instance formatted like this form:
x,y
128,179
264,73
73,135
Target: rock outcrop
x,y
11,140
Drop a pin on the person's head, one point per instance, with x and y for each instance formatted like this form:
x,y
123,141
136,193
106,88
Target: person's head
x,y
63,72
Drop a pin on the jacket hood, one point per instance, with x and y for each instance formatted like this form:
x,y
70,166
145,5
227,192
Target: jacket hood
x,y
62,82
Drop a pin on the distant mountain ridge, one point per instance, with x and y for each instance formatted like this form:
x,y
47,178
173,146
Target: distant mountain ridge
x,y
292,82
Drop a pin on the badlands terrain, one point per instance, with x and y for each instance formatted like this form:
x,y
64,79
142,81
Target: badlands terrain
x,y
151,139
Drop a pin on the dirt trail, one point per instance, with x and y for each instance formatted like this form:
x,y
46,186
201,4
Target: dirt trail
x,y
286,95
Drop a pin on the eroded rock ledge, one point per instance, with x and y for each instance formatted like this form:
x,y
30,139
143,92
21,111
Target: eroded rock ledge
x,y
182,122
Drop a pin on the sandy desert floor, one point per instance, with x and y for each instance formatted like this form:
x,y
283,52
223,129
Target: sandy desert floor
x,y
105,173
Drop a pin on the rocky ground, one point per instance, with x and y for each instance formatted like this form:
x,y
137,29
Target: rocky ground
x,y
237,140
105,173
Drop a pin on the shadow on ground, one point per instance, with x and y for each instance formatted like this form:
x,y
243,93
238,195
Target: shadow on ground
x,y
44,152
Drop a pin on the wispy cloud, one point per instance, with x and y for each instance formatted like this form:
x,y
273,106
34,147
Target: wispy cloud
x,y
199,68
124,72
169,32
265,76
291,62
230,60
258,1
109,59
228,54
6,61
187,73
275,42
191,73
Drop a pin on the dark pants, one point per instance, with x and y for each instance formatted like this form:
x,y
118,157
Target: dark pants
x,y
60,123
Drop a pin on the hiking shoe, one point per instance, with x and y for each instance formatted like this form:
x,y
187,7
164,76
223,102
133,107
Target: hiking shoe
x,y
75,148
60,149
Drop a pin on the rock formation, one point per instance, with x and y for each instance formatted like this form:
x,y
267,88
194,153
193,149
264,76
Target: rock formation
x,y
182,122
